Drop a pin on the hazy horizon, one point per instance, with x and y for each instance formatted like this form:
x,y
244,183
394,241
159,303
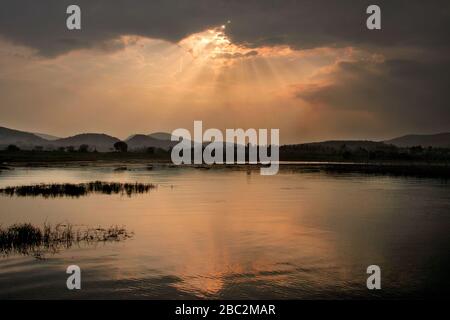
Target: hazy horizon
x,y
44,134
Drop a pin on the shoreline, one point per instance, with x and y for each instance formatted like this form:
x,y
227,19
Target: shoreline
x,y
394,168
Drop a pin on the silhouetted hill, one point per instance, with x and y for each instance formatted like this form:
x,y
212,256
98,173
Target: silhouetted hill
x,y
138,142
347,144
338,150
141,141
24,140
440,140
98,141
46,136
161,136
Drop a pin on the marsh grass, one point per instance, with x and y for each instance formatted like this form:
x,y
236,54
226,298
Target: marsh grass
x,y
27,239
76,190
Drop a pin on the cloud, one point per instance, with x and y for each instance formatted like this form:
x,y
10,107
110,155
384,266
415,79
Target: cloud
x,y
237,55
299,24
402,94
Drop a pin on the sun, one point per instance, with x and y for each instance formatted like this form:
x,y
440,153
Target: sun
x,y
207,44
212,44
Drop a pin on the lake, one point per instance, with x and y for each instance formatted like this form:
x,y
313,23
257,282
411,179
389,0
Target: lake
x,y
234,234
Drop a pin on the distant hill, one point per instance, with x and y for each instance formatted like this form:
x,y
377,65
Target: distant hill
x,y
142,141
46,136
103,142
98,141
164,136
347,144
161,136
440,140
339,150
95,141
24,140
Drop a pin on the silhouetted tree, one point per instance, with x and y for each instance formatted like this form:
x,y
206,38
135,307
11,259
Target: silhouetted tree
x,y
83,148
416,149
13,147
121,146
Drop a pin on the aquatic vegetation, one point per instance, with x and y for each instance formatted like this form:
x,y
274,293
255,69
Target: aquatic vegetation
x,y
27,239
77,190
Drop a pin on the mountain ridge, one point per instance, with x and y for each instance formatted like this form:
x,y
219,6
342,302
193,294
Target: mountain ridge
x,y
142,141
20,138
104,142
97,141
437,140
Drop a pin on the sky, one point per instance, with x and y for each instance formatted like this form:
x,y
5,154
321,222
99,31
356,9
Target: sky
x,y
309,68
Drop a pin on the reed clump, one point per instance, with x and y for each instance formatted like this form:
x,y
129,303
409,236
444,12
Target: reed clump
x,y
77,190
27,239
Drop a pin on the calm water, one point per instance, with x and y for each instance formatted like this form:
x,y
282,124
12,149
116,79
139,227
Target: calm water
x,y
234,234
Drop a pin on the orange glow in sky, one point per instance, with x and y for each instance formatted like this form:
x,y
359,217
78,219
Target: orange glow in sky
x,y
148,85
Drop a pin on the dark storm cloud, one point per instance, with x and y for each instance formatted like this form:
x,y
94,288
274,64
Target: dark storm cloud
x,y
300,24
403,93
